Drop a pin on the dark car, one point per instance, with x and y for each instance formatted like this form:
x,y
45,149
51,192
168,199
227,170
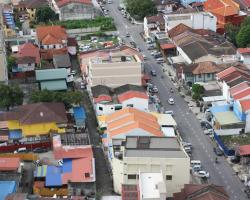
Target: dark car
x,y
218,151
133,44
153,73
40,150
159,55
205,125
235,159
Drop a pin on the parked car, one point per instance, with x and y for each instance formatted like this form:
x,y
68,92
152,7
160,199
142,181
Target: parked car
x,y
144,57
202,174
40,150
153,72
196,168
73,72
206,125
218,151
209,132
110,1
169,112
235,159
127,34
187,144
154,52
160,60
188,149
21,150
171,101
157,55
133,44
151,47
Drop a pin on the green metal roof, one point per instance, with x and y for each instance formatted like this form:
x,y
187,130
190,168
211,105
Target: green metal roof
x,y
51,74
225,118
54,85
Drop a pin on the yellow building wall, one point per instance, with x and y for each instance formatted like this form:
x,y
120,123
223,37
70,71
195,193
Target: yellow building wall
x,y
35,129
32,13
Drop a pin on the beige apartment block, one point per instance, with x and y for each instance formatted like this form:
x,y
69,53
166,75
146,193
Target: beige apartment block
x,y
142,154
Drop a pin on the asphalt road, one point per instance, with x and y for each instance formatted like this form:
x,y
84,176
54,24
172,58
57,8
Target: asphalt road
x,y
188,125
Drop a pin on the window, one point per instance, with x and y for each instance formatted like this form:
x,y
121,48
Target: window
x,y
208,75
199,75
87,175
130,105
100,108
54,46
118,107
169,177
132,176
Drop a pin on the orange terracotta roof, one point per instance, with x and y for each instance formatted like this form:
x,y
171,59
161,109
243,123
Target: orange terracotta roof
x,y
222,7
51,34
177,30
245,104
132,94
103,98
128,119
244,150
47,54
206,67
29,50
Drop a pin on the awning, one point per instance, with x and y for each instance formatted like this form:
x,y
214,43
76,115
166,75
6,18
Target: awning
x,y
213,98
15,134
244,150
40,171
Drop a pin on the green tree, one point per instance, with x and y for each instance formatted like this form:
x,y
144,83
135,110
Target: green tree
x,y
68,98
11,61
197,90
10,96
45,14
140,8
242,38
231,31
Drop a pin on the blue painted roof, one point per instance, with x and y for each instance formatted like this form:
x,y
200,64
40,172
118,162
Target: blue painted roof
x,y
79,112
104,135
222,108
53,176
15,134
67,165
79,115
7,187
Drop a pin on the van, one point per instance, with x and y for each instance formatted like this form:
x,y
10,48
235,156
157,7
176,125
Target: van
x,y
195,163
21,150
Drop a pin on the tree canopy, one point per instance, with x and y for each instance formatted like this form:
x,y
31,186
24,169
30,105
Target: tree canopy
x,y
45,14
140,8
239,35
68,98
10,96
197,90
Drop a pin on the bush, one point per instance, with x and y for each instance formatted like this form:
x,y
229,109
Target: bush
x,y
105,23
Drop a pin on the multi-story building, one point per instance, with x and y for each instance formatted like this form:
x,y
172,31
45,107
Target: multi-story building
x,y
74,10
191,18
150,155
112,68
226,12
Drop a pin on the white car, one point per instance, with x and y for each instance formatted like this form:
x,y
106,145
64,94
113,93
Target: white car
x,y
169,112
171,101
202,174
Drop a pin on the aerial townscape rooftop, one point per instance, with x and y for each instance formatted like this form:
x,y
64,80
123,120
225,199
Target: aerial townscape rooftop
x,y
124,99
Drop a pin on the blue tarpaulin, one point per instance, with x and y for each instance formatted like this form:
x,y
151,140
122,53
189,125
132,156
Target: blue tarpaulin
x,y
67,165
79,115
7,187
53,176
15,134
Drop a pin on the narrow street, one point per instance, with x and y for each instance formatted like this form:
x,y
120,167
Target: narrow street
x,y
188,124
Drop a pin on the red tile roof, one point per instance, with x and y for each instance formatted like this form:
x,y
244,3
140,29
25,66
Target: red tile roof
x,y
237,88
201,192
49,35
243,94
246,3
226,72
167,46
61,3
73,152
29,50
47,54
244,50
132,94
245,104
82,171
103,98
177,30
244,150
9,164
